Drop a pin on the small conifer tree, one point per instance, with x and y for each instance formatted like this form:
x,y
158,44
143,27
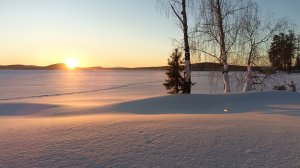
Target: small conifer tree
x,y
175,82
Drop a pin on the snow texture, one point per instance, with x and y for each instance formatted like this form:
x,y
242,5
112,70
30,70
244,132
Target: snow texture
x,y
257,129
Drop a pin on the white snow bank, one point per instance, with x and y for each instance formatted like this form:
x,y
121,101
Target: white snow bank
x,y
164,140
207,104
243,140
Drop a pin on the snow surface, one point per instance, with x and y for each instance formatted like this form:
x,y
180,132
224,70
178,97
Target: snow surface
x,y
257,129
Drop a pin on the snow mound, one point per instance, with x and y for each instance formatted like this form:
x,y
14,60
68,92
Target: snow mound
x,y
207,104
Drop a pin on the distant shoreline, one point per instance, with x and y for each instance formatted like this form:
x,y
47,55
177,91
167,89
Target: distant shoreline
x,y
205,66
195,67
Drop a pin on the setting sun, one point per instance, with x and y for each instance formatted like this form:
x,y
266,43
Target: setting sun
x,y
72,63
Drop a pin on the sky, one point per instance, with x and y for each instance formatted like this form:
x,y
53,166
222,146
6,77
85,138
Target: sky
x,y
108,33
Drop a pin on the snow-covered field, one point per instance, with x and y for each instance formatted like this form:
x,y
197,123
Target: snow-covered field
x,y
258,129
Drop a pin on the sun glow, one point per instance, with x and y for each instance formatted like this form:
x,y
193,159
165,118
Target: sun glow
x,y
72,63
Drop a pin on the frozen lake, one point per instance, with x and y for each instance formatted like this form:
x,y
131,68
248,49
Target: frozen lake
x,y
105,86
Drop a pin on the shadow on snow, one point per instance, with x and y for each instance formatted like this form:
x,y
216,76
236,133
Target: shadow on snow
x,y
274,102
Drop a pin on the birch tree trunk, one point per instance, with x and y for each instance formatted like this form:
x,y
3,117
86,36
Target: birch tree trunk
x,y
248,82
218,13
187,76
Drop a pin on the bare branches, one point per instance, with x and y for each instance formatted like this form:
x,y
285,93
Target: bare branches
x,y
209,28
255,32
177,15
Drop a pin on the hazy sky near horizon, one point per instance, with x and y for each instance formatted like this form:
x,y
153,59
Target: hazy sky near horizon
x,y
96,32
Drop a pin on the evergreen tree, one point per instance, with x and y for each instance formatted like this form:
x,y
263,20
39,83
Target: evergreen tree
x,y
282,51
175,82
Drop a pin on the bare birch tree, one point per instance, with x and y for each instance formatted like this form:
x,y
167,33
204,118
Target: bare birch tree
x,y
254,34
179,9
217,30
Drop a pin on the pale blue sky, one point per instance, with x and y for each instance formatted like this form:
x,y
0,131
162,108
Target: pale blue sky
x,y
97,32
281,9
